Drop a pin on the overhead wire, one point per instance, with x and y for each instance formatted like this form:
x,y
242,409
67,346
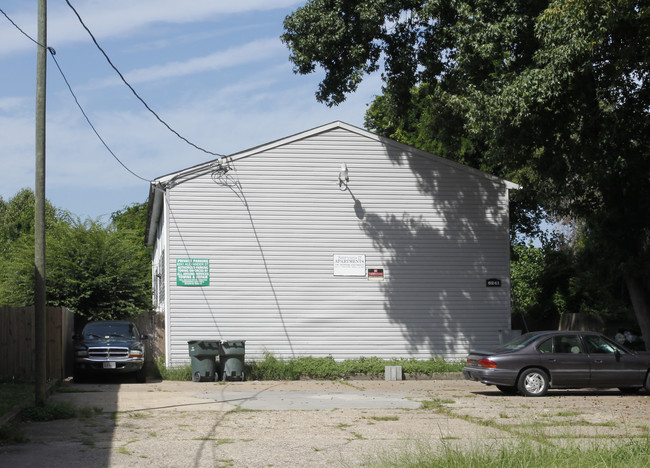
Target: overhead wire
x,y
83,112
135,93
90,123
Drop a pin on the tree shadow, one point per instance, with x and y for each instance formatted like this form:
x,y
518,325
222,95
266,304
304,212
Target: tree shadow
x,y
439,256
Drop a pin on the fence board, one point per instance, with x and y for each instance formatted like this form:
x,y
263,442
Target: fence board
x,y
152,324
17,343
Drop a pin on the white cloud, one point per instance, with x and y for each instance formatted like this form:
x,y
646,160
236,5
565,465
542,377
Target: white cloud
x,y
245,54
117,18
8,104
226,94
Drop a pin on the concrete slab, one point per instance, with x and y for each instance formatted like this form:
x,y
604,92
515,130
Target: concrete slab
x,y
310,400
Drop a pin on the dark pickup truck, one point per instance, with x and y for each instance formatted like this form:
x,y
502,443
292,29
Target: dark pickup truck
x,y
109,347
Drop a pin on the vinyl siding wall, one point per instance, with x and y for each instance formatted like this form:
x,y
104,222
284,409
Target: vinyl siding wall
x,y
271,226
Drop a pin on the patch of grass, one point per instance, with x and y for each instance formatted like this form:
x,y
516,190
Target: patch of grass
x,y
88,412
88,442
561,414
173,373
217,440
49,412
71,389
436,403
123,451
239,409
272,368
226,462
519,454
565,423
15,393
384,418
10,434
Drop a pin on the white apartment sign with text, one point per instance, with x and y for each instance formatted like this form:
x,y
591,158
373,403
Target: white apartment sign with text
x,y
350,265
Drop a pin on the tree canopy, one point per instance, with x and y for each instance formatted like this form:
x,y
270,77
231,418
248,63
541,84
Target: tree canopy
x,y
550,94
99,272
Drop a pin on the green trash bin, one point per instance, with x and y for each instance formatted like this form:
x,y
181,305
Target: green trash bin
x,y
231,360
203,354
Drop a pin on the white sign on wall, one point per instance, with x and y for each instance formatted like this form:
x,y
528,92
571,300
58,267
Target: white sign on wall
x,y
350,265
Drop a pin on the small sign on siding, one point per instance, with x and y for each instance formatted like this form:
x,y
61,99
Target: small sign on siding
x,y
375,274
493,283
192,272
349,265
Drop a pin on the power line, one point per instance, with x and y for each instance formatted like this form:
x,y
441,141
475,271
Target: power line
x,y
133,90
88,120
18,28
65,79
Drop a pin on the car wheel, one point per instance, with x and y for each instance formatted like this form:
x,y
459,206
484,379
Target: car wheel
x,y
629,390
533,382
196,377
647,382
507,389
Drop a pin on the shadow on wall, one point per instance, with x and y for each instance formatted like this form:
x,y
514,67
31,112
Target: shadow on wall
x,y
438,262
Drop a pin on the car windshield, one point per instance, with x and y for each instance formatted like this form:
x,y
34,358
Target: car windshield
x,y
109,330
521,342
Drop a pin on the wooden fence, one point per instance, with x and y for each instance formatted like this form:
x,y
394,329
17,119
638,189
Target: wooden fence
x,y
17,343
153,325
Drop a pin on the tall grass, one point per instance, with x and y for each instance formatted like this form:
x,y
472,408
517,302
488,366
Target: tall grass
x,y
272,368
624,454
173,373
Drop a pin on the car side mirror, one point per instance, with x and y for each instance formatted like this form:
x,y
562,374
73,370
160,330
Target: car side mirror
x,y
144,337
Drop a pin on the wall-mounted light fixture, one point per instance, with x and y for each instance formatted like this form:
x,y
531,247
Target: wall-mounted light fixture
x,y
344,175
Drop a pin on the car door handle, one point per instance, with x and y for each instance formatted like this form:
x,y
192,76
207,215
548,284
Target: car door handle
x,y
598,361
553,360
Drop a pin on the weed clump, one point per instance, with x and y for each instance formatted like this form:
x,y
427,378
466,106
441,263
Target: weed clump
x,y
273,368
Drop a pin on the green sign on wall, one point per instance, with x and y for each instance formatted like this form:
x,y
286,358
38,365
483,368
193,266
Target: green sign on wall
x,y
192,272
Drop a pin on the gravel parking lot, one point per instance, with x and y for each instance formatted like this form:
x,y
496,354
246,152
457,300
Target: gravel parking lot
x,y
310,423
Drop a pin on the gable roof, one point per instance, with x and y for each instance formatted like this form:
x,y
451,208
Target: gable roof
x,y
159,184
195,171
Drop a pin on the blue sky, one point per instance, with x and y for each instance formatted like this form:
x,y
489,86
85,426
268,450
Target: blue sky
x,y
216,71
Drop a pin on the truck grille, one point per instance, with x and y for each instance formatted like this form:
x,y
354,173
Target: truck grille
x,y
108,353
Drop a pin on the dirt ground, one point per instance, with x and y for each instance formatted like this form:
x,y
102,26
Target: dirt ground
x,y
310,423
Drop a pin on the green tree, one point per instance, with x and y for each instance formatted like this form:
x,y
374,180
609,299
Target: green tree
x,y
17,218
132,217
98,271
563,276
95,271
551,94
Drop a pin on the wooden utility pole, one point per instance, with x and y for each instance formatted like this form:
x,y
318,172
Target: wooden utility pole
x,y
40,377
